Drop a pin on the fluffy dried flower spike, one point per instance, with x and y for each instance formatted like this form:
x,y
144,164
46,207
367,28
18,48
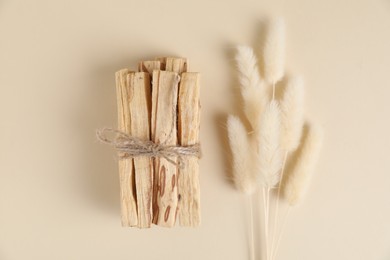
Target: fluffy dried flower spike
x,y
292,116
298,179
251,85
274,51
243,176
269,152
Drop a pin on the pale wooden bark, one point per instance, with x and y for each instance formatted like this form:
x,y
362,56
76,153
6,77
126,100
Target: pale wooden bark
x,y
156,193
188,127
163,62
149,66
140,108
164,102
126,174
178,65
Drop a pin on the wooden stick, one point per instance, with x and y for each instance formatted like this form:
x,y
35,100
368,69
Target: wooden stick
x,y
126,174
178,65
164,102
163,62
140,109
149,66
188,176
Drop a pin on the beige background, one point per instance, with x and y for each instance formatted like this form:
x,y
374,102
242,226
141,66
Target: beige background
x,y
59,187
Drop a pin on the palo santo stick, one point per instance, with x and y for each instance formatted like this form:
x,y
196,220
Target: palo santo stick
x,y
149,66
178,65
163,62
164,101
140,108
126,174
188,126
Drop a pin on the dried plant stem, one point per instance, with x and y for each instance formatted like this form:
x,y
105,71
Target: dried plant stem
x,y
266,196
265,223
277,204
273,91
280,235
252,244
266,203
268,214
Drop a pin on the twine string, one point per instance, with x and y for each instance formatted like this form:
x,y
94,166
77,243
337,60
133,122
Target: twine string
x,y
132,147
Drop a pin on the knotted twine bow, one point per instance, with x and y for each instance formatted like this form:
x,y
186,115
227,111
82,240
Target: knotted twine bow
x,y
131,147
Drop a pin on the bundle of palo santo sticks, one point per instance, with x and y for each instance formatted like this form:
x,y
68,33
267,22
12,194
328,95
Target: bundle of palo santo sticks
x,y
278,136
157,142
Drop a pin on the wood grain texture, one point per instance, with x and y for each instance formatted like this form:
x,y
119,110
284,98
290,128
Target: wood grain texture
x,y
188,127
126,173
149,66
164,102
149,188
140,112
178,65
163,62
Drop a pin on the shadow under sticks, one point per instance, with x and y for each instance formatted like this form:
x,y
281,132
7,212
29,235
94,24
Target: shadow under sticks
x,y
97,109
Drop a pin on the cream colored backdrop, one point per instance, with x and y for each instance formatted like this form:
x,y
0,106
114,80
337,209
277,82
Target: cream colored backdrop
x,y
59,193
